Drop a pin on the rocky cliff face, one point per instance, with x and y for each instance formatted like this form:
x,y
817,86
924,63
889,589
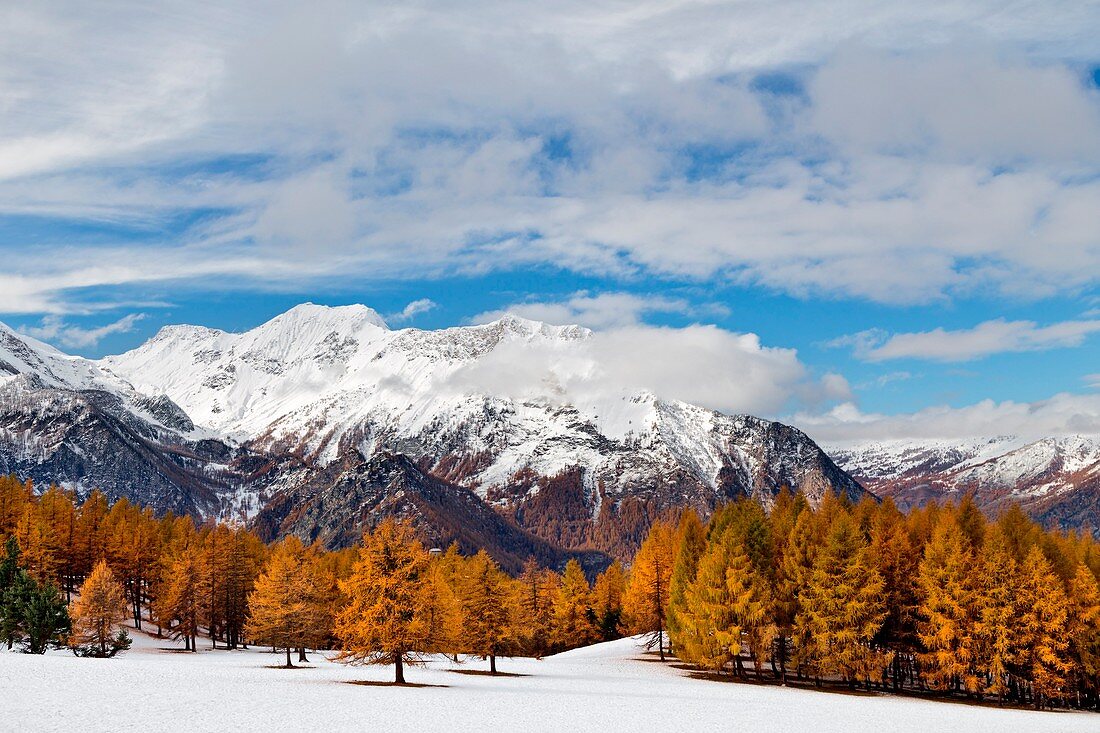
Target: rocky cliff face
x,y
323,420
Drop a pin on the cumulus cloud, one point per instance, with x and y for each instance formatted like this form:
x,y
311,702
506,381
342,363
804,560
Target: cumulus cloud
x,y
601,310
987,338
55,330
1062,414
704,365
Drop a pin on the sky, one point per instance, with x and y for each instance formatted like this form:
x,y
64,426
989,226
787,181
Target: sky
x,y
885,215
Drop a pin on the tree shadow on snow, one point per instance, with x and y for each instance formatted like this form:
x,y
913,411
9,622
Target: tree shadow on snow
x,y
374,683
487,673
294,666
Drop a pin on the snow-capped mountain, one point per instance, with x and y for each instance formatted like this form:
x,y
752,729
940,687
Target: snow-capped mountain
x,y
65,420
1056,479
510,411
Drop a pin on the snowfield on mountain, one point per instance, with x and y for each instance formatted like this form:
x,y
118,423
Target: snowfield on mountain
x,y
610,686
535,421
1056,478
511,395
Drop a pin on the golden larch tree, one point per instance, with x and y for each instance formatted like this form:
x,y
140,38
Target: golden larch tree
x,y
1085,631
1044,625
440,606
707,635
607,599
573,617
537,591
797,535
645,605
751,606
996,632
178,606
100,608
893,552
842,610
382,623
287,609
691,541
948,609
486,609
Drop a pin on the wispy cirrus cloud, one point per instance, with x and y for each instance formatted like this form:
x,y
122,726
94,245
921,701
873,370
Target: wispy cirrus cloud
x,y
985,339
55,330
1061,414
412,310
602,310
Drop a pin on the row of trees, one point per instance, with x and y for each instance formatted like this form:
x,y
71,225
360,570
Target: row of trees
x,y
941,599
398,602
222,582
34,615
185,579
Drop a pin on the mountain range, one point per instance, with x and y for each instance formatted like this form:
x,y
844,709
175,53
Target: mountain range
x,y
322,420
1054,479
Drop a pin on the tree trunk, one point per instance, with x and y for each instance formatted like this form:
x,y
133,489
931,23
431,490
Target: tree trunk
x,y
783,660
399,671
302,654
492,664
288,664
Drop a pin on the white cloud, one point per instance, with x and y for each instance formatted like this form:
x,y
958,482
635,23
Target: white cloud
x,y
987,338
53,329
1092,380
1062,414
703,365
957,104
933,153
886,379
598,311
412,310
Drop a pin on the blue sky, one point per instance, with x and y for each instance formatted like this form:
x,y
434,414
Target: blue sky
x,y
901,203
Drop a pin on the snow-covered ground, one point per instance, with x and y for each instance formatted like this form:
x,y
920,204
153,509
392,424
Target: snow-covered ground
x,y
608,687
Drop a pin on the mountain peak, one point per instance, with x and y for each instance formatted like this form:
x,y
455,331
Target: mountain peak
x,y
526,328
305,314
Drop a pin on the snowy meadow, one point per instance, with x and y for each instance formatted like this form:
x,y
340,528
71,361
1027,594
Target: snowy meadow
x,y
609,686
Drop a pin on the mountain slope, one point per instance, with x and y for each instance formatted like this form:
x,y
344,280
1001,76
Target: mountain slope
x,y
328,383
1056,479
284,426
64,420
343,499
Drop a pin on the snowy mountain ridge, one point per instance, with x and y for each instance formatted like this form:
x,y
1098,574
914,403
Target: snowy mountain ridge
x,y
28,365
261,424
318,381
1056,478
340,364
